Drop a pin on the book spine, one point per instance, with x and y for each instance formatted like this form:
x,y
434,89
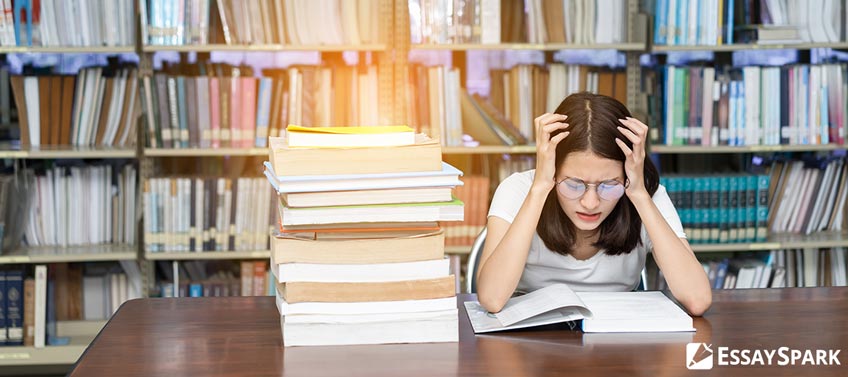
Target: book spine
x,y
14,295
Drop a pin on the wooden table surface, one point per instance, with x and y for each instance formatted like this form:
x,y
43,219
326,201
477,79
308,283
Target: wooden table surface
x,y
240,336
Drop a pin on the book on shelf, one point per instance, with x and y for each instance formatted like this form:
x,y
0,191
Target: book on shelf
x,y
534,21
722,22
597,311
369,248
722,106
809,196
199,214
97,107
219,105
349,137
67,23
475,194
424,155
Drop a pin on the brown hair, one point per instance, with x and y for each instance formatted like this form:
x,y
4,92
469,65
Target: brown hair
x,y
592,123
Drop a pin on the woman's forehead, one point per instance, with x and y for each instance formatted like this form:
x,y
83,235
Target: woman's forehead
x,y
590,167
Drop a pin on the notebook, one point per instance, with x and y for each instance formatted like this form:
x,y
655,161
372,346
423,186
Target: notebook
x,y
599,311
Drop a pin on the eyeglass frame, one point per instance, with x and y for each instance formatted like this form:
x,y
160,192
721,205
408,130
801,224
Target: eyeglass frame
x,y
626,184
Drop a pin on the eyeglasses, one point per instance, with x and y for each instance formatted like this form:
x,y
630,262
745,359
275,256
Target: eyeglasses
x,y
573,188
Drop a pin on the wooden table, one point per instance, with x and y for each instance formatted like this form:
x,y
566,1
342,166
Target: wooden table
x,y
241,336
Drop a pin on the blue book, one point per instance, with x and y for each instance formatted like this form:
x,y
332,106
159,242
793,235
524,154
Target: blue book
x,y
741,208
824,128
687,197
698,209
714,207
682,22
721,274
805,105
730,19
263,111
195,290
660,22
14,307
3,332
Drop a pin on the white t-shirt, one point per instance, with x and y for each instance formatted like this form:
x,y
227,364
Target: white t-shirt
x,y
601,272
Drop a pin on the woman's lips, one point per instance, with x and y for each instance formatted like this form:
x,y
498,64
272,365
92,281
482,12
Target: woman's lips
x,y
588,217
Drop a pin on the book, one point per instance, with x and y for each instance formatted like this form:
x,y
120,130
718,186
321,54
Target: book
x,y
403,246
321,330
366,197
410,212
448,176
424,155
360,273
294,292
374,307
338,137
599,311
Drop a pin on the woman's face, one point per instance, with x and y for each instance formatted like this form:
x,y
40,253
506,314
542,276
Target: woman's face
x,y
589,210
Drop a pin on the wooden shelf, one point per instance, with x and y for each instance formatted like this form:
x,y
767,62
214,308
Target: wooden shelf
x,y
265,48
780,241
530,46
82,333
59,152
744,47
56,254
208,255
491,149
67,49
203,152
741,149
458,250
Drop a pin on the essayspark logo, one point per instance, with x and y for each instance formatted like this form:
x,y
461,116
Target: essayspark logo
x,y
699,356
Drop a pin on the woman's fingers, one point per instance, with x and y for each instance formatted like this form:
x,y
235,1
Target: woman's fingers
x,y
559,137
630,135
621,144
542,121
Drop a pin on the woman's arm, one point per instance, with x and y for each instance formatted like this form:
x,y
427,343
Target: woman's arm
x,y
685,276
507,245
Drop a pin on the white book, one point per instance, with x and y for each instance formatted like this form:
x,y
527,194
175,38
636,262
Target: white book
x,y
418,212
372,307
448,176
600,311
360,273
426,328
40,306
33,110
490,20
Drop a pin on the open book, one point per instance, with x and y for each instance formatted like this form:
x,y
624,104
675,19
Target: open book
x,y
599,311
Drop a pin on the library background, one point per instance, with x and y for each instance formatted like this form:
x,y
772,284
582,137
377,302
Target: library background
x,y
133,133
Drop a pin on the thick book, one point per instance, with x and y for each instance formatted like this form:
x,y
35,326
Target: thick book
x,y
409,212
599,311
447,176
325,330
372,307
366,197
337,137
424,155
407,246
360,273
294,292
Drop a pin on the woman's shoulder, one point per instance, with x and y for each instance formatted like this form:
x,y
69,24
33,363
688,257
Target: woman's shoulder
x,y
520,179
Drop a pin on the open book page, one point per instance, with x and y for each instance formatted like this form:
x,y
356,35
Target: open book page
x,y
553,304
633,312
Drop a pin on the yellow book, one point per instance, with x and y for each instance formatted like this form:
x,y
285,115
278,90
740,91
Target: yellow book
x,y
347,137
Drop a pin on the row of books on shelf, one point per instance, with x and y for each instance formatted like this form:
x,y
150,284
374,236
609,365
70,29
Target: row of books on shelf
x,y
77,205
197,214
218,105
710,106
288,22
809,196
532,21
718,22
777,269
99,106
372,261
33,300
67,23
721,209
441,108
208,279
474,193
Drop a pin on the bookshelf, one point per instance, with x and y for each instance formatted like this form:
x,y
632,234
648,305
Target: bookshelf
x,y
264,48
208,255
73,254
689,149
746,47
204,152
820,240
67,152
637,47
81,333
68,50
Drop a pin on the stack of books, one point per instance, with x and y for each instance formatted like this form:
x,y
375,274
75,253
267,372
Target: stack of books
x,y
359,254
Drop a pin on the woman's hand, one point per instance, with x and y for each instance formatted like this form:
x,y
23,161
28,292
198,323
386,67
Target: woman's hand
x,y
547,124
634,163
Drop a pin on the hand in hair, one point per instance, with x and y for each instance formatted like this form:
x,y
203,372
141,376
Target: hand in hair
x,y
634,163
546,125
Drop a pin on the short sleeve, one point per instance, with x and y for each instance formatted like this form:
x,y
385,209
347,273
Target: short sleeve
x,y
510,194
669,213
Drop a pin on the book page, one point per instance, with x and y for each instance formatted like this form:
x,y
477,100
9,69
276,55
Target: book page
x,y
537,302
482,321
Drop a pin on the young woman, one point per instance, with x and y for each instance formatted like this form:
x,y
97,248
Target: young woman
x,y
588,214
